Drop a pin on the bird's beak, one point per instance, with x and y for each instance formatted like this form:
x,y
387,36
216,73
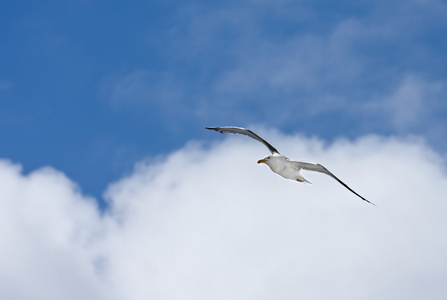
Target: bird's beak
x,y
261,161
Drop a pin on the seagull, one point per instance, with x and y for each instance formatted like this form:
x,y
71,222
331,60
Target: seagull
x,y
280,164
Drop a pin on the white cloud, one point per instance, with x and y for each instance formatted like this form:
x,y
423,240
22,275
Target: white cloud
x,y
209,223
415,105
414,100
47,228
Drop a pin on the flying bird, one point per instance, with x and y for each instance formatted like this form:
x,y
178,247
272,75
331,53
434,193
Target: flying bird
x,y
281,165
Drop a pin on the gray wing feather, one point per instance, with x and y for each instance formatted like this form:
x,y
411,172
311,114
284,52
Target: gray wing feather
x,y
319,168
244,131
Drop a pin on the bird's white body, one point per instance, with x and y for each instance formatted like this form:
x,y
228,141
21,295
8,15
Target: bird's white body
x,y
284,167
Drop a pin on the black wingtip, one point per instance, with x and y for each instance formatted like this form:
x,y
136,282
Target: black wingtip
x,y
369,202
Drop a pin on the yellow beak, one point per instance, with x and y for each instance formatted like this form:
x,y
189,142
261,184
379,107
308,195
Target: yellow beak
x,y
261,161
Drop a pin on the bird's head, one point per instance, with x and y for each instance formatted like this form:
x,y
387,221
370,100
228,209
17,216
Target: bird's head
x,y
265,160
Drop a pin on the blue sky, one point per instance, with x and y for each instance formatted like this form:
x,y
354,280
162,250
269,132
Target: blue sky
x,y
91,87
105,102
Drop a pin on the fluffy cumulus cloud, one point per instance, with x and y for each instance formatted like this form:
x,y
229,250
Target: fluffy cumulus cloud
x,y
207,222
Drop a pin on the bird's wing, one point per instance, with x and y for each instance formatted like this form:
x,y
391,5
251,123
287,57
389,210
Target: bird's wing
x,y
319,168
247,132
